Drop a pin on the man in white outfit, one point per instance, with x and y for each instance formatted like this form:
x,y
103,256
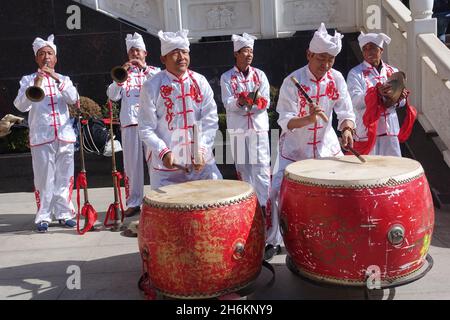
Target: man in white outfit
x,y
129,92
370,73
305,133
172,102
247,119
51,136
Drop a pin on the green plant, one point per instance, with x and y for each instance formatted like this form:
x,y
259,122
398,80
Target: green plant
x,y
17,141
115,108
89,108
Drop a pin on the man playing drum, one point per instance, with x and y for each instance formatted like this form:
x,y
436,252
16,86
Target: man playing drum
x,y
172,103
309,133
373,71
129,92
46,95
246,97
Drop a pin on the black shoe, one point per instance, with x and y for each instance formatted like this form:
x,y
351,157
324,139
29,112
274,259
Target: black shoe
x,y
132,211
271,251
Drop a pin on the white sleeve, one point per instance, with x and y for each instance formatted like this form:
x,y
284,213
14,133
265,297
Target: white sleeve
x,y
229,101
209,119
22,103
343,106
357,91
287,106
68,91
148,123
114,91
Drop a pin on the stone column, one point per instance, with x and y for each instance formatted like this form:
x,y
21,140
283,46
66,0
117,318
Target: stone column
x,y
421,12
172,15
269,28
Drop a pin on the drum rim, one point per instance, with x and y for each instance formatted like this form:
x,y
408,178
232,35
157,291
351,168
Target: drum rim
x,y
204,206
380,182
197,295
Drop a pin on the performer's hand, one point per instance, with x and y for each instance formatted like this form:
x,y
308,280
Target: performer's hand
x,y
200,166
40,75
404,94
385,90
168,160
51,72
314,111
242,101
127,65
347,139
137,63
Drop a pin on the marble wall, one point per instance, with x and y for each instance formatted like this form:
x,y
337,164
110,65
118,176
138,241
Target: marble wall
x,y
87,55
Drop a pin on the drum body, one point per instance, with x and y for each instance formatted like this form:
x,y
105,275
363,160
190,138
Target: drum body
x,y
201,239
343,221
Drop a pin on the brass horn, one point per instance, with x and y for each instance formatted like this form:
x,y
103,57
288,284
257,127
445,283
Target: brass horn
x,y
119,74
35,93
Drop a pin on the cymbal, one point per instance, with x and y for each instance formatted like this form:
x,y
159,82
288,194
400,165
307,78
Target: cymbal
x,y
397,81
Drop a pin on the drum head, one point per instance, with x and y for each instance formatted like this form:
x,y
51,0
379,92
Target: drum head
x,y
349,172
201,193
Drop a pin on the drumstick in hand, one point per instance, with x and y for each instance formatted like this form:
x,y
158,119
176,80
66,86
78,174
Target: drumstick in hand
x,y
303,92
356,153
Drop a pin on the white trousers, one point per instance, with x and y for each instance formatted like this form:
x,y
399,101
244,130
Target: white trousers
x,y
274,236
53,168
251,154
133,162
387,146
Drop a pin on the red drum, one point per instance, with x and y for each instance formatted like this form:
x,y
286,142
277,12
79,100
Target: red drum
x,y
342,220
201,239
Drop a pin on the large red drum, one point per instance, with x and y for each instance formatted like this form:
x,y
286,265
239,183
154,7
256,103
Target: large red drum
x,y
201,239
342,220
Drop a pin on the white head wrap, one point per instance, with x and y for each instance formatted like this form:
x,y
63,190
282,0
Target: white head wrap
x,y
377,39
41,43
171,41
239,42
323,42
135,41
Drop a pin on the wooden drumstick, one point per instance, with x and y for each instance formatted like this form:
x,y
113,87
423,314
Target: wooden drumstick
x,y
303,92
196,139
356,153
180,167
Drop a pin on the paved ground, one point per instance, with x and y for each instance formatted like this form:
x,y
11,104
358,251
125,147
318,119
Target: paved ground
x,y
37,266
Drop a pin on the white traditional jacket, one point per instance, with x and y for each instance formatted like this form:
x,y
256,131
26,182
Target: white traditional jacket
x,y
129,92
234,83
48,119
360,79
169,108
319,139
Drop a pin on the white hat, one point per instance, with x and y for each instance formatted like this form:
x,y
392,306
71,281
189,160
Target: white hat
x,y
323,42
135,41
377,39
171,41
39,43
239,42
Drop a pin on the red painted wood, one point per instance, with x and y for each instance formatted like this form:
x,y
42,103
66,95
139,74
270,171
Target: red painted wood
x,y
192,253
340,233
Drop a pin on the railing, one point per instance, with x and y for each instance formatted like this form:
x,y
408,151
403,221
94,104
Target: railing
x,y
416,50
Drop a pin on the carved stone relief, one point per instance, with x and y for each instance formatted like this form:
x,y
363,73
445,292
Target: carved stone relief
x,y
141,12
305,12
220,17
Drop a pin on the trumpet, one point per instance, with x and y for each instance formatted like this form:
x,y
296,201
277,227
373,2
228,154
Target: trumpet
x,y
35,93
119,74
